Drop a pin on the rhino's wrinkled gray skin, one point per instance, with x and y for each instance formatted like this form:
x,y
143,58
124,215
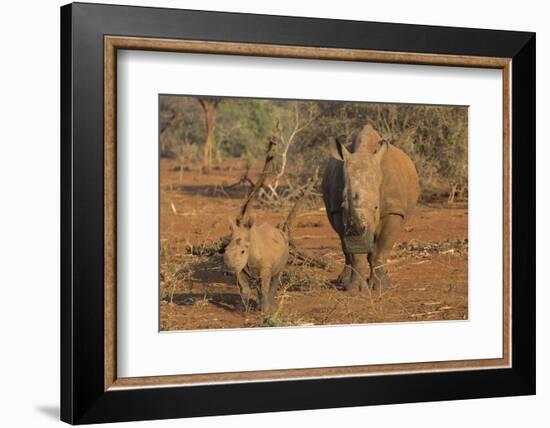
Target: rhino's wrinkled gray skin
x,y
369,192
261,252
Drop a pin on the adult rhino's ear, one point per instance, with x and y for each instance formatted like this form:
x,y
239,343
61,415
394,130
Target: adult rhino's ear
x,y
337,150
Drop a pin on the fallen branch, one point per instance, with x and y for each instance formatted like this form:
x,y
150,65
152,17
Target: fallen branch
x,y
245,179
305,257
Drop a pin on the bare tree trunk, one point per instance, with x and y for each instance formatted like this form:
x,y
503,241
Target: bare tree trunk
x,y
210,107
452,193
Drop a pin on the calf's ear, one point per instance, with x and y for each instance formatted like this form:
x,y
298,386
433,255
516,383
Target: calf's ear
x,y
337,150
249,221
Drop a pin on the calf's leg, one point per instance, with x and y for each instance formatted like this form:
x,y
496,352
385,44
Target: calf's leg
x,y
245,292
265,292
274,286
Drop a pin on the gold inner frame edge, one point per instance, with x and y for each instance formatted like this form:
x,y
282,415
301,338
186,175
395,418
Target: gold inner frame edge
x,y
113,43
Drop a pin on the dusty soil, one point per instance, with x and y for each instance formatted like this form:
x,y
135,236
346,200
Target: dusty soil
x,y
429,263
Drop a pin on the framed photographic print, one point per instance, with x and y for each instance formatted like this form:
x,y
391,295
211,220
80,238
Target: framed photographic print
x,y
266,213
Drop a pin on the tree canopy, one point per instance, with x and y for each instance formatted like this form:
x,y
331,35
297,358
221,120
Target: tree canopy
x,y
435,137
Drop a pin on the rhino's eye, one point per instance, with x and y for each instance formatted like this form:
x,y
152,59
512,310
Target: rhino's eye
x,y
242,252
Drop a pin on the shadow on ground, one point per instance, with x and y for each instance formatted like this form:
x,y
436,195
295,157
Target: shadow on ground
x,y
50,411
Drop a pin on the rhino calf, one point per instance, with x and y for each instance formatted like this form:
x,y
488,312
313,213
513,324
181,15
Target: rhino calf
x,y
257,251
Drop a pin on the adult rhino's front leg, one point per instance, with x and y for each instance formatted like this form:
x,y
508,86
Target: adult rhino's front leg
x,y
359,272
390,228
345,276
338,225
355,274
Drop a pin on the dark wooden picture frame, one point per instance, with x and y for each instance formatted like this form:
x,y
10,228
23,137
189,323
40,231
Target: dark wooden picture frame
x,y
90,389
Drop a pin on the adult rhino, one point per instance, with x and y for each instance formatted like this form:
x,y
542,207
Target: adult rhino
x,y
369,191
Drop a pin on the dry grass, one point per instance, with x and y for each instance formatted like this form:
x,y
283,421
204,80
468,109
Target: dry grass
x,y
307,296
303,278
422,249
208,247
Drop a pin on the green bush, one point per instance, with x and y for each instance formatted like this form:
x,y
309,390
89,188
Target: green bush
x,y
435,137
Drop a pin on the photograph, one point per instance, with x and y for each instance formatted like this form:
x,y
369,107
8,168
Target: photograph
x,y
298,213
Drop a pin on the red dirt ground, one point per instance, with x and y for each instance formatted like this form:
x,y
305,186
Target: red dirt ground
x,y
429,263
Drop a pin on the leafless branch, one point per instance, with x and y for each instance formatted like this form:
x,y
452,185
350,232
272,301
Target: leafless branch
x,y
259,183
